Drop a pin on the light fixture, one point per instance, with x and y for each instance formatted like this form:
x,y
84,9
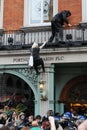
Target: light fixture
x,y
43,91
41,86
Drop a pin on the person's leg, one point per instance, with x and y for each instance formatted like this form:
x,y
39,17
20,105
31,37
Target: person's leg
x,y
38,63
59,31
42,64
36,66
36,69
57,35
53,32
61,34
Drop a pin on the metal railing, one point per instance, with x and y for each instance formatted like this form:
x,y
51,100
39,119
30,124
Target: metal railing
x,y
75,35
13,37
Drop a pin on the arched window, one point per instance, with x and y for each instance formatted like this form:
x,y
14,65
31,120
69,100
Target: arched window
x,y
39,12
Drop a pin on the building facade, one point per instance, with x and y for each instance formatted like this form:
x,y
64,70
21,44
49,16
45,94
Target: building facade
x,y
25,21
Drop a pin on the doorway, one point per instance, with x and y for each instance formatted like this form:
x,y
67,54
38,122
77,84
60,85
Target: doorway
x,y
15,92
74,94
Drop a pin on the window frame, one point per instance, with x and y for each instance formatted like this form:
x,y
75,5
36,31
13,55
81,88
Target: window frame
x,y
27,10
84,9
1,13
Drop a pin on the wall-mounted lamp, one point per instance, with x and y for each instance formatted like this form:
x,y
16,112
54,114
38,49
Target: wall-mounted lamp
x,y
43,92
41,86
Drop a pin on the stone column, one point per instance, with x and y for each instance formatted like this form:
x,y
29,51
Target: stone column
x,y
51,88
48,79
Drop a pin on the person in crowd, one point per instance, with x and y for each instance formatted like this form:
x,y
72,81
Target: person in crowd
x,y
83,126
38,118
7,120
65,120
49,113
3,118
36,56
45,120
57,116
5,128
46,125
49,122
17,121
52,123
35,126
58,22
25,128
81,119
20,121
60,127
7,110
30,119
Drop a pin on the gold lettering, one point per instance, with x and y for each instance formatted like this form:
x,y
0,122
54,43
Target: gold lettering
x,y
48,58
20,59
59,58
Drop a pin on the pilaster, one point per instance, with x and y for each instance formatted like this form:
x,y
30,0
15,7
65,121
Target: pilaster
x,y
48,79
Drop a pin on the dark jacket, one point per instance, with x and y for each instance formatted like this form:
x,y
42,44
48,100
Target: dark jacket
x,y
61,17
35,53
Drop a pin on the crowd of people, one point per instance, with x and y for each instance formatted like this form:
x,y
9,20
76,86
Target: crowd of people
x,y
10,120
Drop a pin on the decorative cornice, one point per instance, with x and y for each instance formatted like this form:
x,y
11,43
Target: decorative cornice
x,y
29,74
33,29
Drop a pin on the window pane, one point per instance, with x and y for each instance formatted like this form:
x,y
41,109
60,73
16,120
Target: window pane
x,y
41,11
35,11
47,10
0,5
1,13
84,10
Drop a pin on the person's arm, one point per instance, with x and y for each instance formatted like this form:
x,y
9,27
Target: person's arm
x,y
65,18
42,45
52,122
69,25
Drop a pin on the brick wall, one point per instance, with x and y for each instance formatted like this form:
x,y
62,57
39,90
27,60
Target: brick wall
x,y
13,14
14,10
74,6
